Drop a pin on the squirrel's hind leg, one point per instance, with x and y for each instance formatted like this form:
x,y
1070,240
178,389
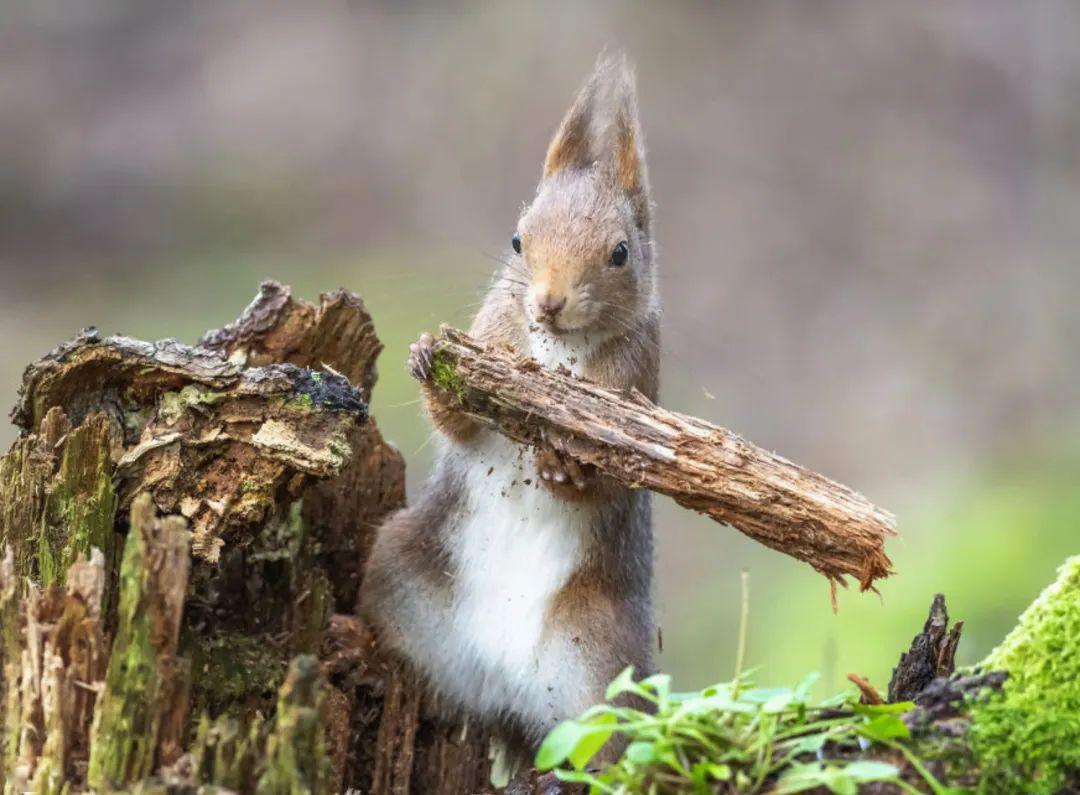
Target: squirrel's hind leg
x,y
406,594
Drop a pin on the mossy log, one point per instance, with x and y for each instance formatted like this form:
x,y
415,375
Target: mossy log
x,y
185,531
1010,724
700,465
1027,738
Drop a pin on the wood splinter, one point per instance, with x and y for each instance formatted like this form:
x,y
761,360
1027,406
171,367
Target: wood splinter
x,y
700,465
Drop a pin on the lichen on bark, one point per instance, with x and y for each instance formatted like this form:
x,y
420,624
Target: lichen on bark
x,y
153,584
81,506
226,751
296,757
57,497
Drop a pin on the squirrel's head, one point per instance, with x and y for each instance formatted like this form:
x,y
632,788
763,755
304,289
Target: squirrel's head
x,y
584,241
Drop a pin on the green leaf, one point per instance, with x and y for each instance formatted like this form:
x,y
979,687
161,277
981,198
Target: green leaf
x,y
806,684
842,781
559,744
583,777
762,695
778,703
866,770
606,709
623,683
810,744
640,752
719,772
659,684
842,785
801,777
884,727
596,733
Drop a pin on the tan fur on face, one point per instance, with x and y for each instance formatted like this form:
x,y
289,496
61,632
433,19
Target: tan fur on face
x,y
567,238
593,195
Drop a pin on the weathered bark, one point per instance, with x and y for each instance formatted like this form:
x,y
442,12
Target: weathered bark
x,y
932,654
54,653
149,667
700,465
138,713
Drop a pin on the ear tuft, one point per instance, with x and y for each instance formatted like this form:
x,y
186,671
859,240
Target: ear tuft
x,y
627,157
572,146
602,127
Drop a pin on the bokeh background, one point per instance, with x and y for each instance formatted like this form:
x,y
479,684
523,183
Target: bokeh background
x,y
867,212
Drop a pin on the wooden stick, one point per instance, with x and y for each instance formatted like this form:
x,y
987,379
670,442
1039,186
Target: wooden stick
x,y
700,465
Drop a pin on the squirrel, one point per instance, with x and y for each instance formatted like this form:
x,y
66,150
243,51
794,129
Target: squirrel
x,y
520,585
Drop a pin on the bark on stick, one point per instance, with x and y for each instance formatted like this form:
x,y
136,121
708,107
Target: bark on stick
x,y
700,465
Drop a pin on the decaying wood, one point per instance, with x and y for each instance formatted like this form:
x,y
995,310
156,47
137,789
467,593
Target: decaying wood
x,y
932,654
396,737
54,658
179,413
139,706
339,334
148,668
700,465
413,748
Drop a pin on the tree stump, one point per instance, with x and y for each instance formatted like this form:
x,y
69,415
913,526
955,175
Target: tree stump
x,y
184,532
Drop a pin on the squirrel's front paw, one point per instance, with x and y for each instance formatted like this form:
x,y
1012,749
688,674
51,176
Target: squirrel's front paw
x,y
422,357
560,472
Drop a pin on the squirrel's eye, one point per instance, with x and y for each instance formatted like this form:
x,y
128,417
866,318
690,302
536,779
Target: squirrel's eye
x,y
515,241
619,255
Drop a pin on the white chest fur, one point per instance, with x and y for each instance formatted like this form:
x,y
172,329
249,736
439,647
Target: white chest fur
x,y
517,547
569,351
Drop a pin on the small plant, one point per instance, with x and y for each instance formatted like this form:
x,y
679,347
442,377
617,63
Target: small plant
x,y
731,738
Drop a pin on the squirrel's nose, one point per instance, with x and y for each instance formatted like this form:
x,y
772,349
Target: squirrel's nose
x,y
550,306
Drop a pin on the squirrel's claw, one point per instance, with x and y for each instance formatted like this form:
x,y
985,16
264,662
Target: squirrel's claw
x,y
558,468
422,357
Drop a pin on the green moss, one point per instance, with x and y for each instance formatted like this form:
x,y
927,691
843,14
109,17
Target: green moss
x,y
49,778
444,376
1028,737
301,401
81,507
341,449
173,405
226,751
122,749
51,518
128,715
48,570
296,756
235,671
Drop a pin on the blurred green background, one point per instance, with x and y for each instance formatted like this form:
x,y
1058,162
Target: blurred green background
x,y
866,224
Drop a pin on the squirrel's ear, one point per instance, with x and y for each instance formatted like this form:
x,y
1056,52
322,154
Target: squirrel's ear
x,y
628,158
601,128
572,146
